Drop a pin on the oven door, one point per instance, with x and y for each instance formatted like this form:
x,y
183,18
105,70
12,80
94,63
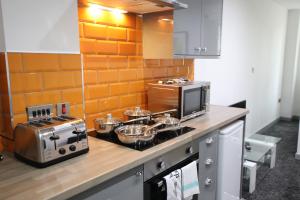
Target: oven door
x,y
155,188
193,100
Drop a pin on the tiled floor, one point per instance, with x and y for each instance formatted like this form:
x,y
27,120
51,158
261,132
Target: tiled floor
x,y
283,181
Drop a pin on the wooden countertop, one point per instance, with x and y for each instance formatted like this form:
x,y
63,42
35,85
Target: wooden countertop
x,y
104,161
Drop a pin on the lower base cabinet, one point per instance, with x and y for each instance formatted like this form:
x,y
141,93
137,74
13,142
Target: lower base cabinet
x,y
208,166
128,185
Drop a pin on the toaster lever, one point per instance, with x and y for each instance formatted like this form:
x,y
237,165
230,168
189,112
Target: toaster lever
x,y
54,137
76,132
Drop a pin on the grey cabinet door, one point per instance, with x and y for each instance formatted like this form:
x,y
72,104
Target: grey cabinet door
x,y
187,40
211,27
208,166
197,29
126,186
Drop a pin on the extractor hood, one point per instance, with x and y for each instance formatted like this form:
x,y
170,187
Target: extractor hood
x,y
139,6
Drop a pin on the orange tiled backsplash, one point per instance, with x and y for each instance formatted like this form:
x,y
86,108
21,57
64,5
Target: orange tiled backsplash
x,y
39,79
115,73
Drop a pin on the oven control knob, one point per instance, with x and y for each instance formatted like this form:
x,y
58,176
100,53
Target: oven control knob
x,y
139,173
208,182
62,151
189,150
72,148
161,165
209,162
209,141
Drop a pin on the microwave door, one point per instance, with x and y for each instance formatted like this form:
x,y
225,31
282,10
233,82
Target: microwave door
x,y
192,101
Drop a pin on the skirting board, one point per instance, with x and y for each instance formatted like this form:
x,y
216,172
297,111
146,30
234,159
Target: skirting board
x,y
268,126
296,117
297,156
290,119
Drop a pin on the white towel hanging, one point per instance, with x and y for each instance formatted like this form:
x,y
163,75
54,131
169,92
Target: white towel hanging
x,y
173,183
190,183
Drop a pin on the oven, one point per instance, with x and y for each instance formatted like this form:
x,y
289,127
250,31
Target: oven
x,y
156,169
190,98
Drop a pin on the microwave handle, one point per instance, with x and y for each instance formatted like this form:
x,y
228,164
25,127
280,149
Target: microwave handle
x,y
164,112
203,97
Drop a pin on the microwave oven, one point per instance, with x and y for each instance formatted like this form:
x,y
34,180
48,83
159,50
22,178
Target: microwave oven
x,y
190,98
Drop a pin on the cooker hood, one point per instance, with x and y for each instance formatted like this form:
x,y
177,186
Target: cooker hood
x,y
139,6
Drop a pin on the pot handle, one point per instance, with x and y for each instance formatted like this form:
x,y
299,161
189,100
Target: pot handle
x,y
153,126
137,119
164,112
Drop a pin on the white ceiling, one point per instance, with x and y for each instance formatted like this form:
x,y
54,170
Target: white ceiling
x,y
290,4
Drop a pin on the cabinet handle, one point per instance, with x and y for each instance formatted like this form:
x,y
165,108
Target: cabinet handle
x,y
198,49
209,140
209,162
139,173
208,182
204,49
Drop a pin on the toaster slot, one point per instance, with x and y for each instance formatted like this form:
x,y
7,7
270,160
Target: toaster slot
x,y
59,119
47,122
67,117
36,124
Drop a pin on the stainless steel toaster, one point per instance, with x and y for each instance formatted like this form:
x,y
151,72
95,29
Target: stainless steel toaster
x,y
45,140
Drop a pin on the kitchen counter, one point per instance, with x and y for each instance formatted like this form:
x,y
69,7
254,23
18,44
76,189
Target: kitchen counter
x,y
104,161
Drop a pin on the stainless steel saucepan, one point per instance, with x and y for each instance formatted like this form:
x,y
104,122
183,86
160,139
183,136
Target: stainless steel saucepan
x,y
169,123
108,124
132,134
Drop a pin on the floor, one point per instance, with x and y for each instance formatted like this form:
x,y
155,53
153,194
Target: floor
x,y
283,181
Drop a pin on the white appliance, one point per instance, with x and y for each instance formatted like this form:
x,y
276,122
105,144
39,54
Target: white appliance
x,y
230,161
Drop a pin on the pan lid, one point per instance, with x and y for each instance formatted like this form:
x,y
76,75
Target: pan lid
x,y
137,112
167,120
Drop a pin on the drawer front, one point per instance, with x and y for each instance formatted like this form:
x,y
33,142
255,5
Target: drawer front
x,y
164,162
125,186
208,166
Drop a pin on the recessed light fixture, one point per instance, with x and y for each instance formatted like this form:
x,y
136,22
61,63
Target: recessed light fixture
x,y
114,10
166,20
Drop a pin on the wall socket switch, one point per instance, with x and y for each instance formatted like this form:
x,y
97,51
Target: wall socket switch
x,y
63,109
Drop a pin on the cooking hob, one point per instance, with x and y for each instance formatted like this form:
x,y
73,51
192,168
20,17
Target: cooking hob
x,y
141,146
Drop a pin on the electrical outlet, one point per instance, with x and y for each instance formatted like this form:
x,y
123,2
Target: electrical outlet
x,y
36,113
63,109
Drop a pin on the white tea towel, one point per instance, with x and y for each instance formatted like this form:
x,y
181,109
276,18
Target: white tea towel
x,y
190,183
173,182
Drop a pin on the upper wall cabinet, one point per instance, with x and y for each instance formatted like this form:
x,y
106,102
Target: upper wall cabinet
x,y
197,29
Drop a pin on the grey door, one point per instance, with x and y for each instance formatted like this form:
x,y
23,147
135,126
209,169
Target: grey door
x,y
211,27
197,29
187,24
126,186
208,166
